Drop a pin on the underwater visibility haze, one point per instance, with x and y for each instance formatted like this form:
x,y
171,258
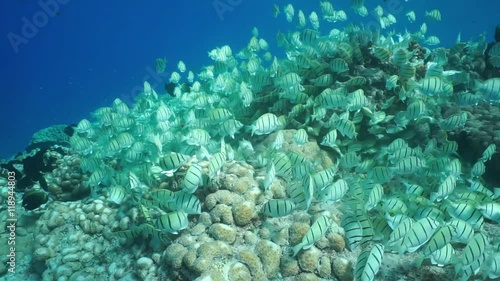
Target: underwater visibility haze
x,y
250,140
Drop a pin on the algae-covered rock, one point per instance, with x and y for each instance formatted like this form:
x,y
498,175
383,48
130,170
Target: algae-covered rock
x,y
325,267
307,277
297,232
174,255
222,232
239,272
342,268
269,253
289,266
309,259
250,259
244,213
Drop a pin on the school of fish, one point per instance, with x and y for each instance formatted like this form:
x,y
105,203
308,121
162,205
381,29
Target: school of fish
x,y
398,179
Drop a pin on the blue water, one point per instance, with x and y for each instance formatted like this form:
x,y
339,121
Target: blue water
x,y
91,52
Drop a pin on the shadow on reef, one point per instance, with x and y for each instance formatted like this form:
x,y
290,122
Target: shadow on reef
x,y
31,166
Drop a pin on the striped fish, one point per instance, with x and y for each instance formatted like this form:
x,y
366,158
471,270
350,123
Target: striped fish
x,y
489,151
278,141
315,232
381,53
466,212
349,160
489,89
444,189
346,128
278,207
472,252
192,179
428,86
420,233
171,162
116,194
163,113
357,100
415,110
339,65
354,82
453,122
330,138
353,231
324,80
478,169
408,165
265,124
172,222
332,98
401,154
492,266
391,82
321,179
400,56
463,230
269,178
147,229
399,231
218,115
161,198
375,195
443,256
282,164
300,137
407,71
215,163
426,211
288,80
334,192
197,137
185,202
490,211
368,263
380,174
440,239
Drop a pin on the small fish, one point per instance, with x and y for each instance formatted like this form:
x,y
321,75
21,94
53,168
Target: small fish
x,y
474,249
368,263
171,162
315,232
270,175
411,16
116,194
420,233
172,222
433,14
489,89
443,256
300,137
160,65
454,121
488,152
444,189
215,164
192,179
278,207
265,124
